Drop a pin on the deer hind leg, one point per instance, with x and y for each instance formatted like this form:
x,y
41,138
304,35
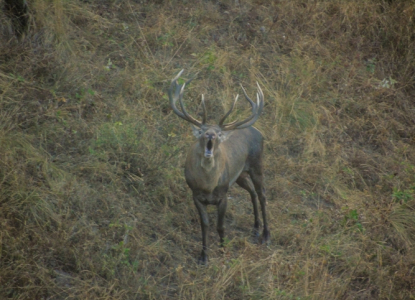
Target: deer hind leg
x,y
246,183
258,181
221,219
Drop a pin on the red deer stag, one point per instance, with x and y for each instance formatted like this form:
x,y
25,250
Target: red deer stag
x,y
223,154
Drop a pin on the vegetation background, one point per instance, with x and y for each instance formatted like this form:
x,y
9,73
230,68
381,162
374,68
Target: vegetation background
x,y
93,202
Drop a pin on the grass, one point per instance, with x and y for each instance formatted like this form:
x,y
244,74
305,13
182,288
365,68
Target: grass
x,y
93,202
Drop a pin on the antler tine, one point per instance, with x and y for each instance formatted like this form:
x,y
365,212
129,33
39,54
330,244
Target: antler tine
x,y
229,112
246,96
178,95
177,76
173,99
204,110
256,111
260,103
188,117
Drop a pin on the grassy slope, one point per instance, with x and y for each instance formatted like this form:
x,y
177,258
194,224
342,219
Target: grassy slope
x,y
93,203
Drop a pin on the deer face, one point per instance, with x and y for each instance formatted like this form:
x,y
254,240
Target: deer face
x,y
209,138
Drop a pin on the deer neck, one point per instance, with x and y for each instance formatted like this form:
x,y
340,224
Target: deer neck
x,y
211,164
207,164
202,173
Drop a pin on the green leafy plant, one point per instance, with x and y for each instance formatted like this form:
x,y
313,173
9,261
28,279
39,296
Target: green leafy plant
x,y
352,218
403,196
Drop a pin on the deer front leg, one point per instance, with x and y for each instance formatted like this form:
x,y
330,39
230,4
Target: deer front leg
x,y
204,222
221,219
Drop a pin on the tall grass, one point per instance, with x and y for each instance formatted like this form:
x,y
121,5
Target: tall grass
x,y
93,203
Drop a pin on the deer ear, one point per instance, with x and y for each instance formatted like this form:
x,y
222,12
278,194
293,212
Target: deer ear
x,y
223,136
197,132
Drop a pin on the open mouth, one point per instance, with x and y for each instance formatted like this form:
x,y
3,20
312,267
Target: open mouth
x,y
209,149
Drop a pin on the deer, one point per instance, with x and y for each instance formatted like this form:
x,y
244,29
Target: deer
x,y
222,155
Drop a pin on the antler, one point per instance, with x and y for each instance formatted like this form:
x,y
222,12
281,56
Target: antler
x,y
256,112
178,95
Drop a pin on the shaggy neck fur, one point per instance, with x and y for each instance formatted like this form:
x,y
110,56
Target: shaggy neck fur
x,y
207,163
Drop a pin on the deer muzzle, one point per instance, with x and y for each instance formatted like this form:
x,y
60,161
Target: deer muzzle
x,y
209,149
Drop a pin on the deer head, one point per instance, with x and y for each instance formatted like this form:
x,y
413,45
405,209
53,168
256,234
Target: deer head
x,y
210,136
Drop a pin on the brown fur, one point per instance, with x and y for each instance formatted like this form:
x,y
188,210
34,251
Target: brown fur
x,y
224,154
237,159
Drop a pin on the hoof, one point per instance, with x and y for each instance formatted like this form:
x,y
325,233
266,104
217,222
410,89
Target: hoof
x,y
255,233
203,260
266,238
255,236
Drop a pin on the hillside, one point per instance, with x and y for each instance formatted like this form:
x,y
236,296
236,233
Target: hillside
x,y
93,201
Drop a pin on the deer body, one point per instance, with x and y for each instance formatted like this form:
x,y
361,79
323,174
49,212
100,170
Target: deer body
x,y
224,154
205,174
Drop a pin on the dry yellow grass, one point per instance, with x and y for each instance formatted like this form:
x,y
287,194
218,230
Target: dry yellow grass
x,y
93,203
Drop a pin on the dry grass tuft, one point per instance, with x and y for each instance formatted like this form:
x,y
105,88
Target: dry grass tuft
x,y
93,203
